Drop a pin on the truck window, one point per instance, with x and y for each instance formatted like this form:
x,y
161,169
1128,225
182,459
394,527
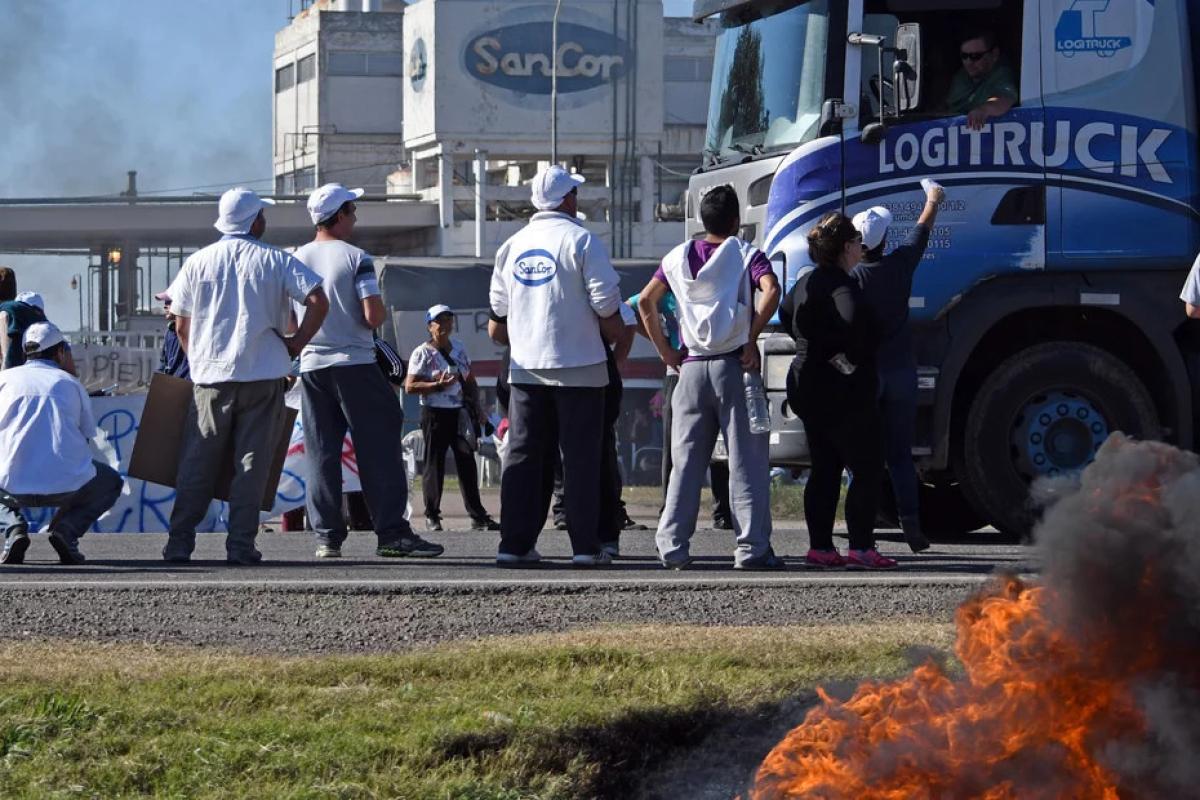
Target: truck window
x,y
943,24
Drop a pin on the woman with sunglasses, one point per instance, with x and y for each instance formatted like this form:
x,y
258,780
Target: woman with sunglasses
x,y
832,387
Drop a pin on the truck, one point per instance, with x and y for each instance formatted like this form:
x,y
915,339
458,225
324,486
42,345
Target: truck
x,y
1046,311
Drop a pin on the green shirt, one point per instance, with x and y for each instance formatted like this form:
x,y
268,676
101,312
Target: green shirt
x,y
966,94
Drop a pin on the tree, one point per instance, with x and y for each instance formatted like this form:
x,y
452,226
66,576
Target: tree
x,y
743,103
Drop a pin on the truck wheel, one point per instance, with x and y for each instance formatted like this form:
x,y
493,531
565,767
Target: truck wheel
x,y
1043,413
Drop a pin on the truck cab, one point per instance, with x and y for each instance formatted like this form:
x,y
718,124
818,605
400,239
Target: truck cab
x,y
1045,312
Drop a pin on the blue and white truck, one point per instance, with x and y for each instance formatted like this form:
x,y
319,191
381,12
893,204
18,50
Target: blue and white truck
x,y
1046,311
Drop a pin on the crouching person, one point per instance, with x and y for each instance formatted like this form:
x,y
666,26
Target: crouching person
x,y
46,424
715,281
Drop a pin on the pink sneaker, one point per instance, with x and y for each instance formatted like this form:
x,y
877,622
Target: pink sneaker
x,y
828,559
869,559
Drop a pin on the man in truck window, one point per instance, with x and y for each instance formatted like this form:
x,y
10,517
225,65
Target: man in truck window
x,y
985,86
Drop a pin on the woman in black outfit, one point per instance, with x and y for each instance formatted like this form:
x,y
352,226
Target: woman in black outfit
x,y
832,387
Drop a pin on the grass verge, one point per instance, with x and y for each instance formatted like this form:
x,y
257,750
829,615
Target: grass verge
x,y
551,716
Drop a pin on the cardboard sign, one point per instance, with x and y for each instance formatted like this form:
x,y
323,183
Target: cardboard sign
x,y
156,451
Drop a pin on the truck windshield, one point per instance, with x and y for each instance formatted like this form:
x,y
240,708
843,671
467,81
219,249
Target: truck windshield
x,y
768,77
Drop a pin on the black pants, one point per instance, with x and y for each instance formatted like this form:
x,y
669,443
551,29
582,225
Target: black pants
x,y
853,442
718,471
439,427
542,418
612,507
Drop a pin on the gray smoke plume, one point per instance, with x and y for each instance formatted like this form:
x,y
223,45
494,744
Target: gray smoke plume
x,y
91,90
1121,559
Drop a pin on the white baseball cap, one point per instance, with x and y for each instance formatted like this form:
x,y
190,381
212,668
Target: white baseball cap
x,y
436,311
31,298
873,225
325,201
42,336
553,184
238,209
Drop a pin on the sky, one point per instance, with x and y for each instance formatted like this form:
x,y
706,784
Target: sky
x,y
179,90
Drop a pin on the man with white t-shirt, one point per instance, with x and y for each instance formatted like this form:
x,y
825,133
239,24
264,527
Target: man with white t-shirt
x,y
554,301
344,389
232,303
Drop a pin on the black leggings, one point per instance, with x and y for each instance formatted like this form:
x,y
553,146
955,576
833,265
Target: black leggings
x,y
855,443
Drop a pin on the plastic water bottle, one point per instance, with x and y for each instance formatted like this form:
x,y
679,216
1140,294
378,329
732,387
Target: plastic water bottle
x,y
756,403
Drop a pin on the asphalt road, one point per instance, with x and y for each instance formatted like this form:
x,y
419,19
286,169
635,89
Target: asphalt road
x,y
134,560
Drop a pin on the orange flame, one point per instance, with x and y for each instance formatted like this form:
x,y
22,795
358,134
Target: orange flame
x,y
1020,722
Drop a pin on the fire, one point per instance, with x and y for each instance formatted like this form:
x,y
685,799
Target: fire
x,y
1051,697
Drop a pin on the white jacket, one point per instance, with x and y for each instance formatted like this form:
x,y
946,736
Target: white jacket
x,y
553,280
714,307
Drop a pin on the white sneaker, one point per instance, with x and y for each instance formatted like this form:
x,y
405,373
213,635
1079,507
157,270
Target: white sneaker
x,y
531,559
328,551
601,559
612,548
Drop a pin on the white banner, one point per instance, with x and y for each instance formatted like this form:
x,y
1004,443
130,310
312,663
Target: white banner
x,y
146,507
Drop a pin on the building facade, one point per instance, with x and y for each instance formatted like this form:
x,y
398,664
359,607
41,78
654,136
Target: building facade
x,y
449,101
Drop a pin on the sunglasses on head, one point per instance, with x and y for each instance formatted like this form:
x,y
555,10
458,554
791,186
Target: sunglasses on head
x,y
969,56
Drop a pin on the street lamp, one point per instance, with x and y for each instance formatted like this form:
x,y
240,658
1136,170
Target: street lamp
x,y
77,286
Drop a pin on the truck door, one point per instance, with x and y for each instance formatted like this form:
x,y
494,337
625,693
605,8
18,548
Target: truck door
x,y
1115,144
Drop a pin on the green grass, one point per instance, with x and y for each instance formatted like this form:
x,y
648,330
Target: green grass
x,y
566,716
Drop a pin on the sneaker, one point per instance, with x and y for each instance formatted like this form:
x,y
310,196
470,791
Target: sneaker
x,y
329,551
485,524
409,546
722,524
588,560
827,559
243,558
681,564
433,524
14,548
67,549
612,548
767,562
869,559
913,534
531,559
628,524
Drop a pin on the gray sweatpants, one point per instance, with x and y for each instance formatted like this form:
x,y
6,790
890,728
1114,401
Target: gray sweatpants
x,y
249,414
710,398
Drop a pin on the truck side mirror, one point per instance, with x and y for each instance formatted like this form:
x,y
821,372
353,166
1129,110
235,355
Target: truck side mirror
x,y
873,133
906,72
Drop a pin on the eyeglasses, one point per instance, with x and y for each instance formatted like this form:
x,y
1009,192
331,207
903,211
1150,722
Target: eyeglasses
x,y
969,56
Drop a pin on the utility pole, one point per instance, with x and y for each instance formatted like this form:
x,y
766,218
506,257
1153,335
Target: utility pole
x,y
554,85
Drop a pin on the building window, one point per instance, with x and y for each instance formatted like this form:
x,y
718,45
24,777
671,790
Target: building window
x,y
685,69
285,184
285,78
385,64
306,180
346,63
306,69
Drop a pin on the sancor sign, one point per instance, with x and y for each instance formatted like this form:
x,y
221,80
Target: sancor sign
x,y
517,57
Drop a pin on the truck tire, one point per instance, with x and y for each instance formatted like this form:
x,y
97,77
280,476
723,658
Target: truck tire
x,y
1044,412
945,513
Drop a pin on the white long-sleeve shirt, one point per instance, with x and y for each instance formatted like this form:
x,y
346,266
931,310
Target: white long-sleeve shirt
x,y
46,423
552,282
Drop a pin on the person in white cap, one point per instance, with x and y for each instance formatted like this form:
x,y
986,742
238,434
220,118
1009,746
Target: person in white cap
x,y
555,300
439,372
886,283
343,389
46,424
231,306
17,313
